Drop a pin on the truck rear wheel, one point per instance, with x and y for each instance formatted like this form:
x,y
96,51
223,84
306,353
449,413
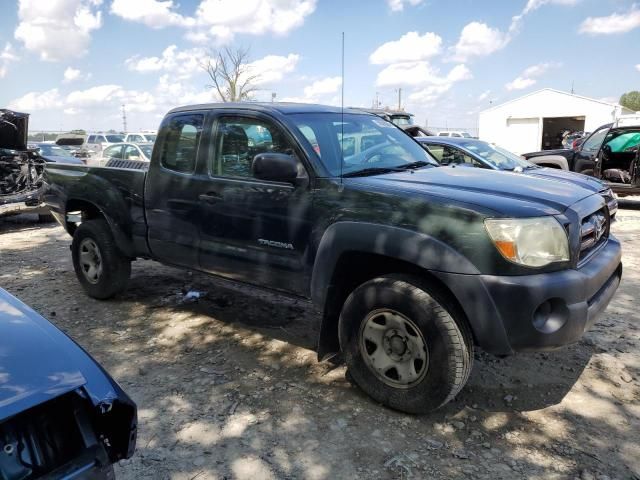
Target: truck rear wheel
x,y
101,268
404,344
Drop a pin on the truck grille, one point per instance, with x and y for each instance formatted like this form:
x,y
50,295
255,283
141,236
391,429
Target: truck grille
x,y
594,232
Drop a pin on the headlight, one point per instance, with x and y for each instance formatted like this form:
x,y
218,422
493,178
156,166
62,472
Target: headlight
x,y
533,242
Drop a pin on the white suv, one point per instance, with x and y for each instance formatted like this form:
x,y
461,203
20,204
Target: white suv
x,y
140,137
96,142
459,134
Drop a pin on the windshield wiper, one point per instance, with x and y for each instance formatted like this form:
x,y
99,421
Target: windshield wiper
x,y
412,165
371,171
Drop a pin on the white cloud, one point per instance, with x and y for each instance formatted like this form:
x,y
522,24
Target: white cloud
x,y
34,101
398,5
638,67
325,86
272,68
409,48
478,39
7,56
533,5
219,20
182,63
57,29
614,23
529,76
152,13
93,96
437,86
72,74
484,95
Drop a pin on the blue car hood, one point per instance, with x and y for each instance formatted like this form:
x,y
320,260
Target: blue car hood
x,y
34,365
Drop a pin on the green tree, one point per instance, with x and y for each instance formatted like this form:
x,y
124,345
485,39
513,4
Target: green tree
x,y
631,100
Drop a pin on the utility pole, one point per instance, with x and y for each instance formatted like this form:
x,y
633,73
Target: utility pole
x,y
273,97
571,87
377,101
399,99
124,119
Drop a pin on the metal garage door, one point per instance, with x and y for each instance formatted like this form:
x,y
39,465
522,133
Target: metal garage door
x,y
523,135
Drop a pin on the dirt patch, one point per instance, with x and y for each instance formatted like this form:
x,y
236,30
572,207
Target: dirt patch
x,y
228,385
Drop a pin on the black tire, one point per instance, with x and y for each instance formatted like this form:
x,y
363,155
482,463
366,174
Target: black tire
x,y
115,267
448,340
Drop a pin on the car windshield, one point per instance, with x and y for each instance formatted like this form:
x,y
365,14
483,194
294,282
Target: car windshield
x,y
46,149
150,137
362,142
465,135
496,156
146,149
115,138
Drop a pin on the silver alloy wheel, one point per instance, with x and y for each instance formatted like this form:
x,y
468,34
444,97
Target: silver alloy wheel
x,y
393,348
90,260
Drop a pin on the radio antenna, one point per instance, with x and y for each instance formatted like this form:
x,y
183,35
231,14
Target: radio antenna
x,y
342,114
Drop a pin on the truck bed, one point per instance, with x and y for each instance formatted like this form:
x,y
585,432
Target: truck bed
x,y
117,192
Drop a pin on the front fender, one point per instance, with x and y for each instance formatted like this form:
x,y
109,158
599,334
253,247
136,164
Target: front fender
x,y
398,243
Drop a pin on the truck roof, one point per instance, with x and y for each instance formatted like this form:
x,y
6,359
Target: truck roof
x,y
280,107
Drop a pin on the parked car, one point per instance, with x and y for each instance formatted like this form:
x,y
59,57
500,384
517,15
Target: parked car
x,y
99,141
61,415
52,153
125,151
457,134
74,143
397,117
21,186
610,153
477,153
140,137
417,131
412,264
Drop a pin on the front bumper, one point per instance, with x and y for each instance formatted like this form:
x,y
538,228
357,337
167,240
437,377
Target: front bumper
x,y
29,202
538,312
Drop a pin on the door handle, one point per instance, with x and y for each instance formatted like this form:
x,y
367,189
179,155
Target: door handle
x,y
210,197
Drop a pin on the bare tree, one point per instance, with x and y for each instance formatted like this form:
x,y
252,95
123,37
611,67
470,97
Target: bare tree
x,y
230,73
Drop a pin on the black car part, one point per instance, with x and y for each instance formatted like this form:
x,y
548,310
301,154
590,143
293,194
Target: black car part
x,y
55,439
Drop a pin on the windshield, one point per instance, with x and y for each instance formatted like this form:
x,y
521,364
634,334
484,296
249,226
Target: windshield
x,y
363,142
150,137
465,135
115,138
146,149
46,149
496,156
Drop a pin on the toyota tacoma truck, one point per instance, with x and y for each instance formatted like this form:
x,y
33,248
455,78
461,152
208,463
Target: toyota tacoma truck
x,y
412,264
61,415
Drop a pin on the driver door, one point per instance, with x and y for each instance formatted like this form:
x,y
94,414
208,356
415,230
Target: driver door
x,y
254,230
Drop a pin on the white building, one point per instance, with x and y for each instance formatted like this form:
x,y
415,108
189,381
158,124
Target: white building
x,y
535,121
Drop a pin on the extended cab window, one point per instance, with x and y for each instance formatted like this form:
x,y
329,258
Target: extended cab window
x,y
437,151
240,139
180,142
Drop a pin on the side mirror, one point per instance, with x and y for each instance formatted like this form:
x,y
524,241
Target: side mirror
x,y
275,167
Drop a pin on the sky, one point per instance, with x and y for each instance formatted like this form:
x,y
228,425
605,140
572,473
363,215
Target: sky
x,y
74,63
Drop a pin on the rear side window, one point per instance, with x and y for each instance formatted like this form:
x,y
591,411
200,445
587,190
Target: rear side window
x,y
91,139
180,142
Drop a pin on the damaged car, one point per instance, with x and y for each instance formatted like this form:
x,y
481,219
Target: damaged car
x,y
61,415
21,169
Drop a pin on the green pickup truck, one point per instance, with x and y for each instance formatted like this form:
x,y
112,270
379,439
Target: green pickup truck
x,y
412,264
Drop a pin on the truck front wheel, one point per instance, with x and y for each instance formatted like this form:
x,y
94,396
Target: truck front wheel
x,y
100,266
404,344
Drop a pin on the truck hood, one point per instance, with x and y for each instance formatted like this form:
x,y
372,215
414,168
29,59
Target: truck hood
x,y
34,365
584,181
506,193
564,152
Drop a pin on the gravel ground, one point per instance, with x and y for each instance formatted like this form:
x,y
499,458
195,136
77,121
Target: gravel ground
x,y
228,386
